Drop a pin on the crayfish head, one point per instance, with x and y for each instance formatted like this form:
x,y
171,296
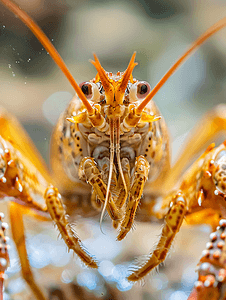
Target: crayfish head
x,y
114,96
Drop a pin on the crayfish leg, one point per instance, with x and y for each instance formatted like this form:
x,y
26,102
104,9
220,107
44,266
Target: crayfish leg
x,y
58,214
139,178
18,234
93,176
123,194
173,222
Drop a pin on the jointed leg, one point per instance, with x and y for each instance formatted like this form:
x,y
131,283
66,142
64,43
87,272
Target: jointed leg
x,y
120,201
92,175
123,194
58,214
173,221
17,227
139,177
96,204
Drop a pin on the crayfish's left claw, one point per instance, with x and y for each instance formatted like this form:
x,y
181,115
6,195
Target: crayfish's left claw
x,y
212,268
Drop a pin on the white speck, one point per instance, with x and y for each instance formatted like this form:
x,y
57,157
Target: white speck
x,y
25,82
205,266
10,66
207,283
5,226
52,40
222,222
29,59
3,26
3,262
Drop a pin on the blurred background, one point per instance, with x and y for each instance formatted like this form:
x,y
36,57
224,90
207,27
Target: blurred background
x,y
34,89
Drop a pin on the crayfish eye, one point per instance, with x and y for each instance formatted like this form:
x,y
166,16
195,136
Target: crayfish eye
x,y
86,88
139,91
143,89
90,90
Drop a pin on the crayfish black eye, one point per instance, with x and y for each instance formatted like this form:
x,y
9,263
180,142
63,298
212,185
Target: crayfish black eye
x,y
86,88
143,89
90,90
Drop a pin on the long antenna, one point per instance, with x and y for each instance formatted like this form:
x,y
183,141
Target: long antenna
x,y
212,30
49,48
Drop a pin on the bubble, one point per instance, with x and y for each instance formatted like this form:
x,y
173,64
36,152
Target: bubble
x,y
106,268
